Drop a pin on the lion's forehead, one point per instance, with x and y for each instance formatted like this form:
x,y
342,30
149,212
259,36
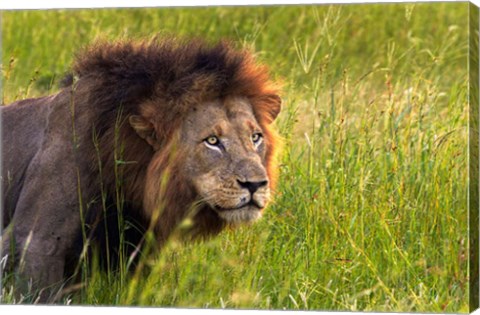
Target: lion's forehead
x,y
220,117
238,106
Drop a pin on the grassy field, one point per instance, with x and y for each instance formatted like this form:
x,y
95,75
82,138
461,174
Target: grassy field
x,y
371,211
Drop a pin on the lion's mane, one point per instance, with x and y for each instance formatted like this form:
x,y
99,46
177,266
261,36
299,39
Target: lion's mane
x,y
161,79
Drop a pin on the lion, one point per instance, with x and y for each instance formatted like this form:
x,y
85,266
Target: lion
x,y
143,132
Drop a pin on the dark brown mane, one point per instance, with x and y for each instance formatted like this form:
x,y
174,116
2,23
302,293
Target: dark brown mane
x,y
180,73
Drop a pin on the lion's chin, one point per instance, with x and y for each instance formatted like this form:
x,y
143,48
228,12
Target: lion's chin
x,y
242,215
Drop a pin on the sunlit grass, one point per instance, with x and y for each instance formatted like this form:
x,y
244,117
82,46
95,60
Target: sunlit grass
x,y
371,209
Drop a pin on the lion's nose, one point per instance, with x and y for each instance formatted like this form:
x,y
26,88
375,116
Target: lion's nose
x,y
252,186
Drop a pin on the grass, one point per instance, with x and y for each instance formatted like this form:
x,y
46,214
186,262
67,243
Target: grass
x,y
371,211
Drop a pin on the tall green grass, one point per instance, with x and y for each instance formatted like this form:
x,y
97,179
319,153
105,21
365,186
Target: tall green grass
x,y
371,209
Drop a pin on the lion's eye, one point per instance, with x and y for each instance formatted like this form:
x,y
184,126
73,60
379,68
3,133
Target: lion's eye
x,y
212,140
256,137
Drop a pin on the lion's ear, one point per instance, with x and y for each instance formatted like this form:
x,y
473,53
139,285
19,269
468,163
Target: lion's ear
x,y
145,130
272,104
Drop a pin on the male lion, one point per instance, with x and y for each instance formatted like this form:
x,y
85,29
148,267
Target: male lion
x,y
147,133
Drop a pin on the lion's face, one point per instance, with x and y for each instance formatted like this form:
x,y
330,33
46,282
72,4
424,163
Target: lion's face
x,y
226,159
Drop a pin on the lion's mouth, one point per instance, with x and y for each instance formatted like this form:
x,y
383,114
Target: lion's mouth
x,y
245,213
251,205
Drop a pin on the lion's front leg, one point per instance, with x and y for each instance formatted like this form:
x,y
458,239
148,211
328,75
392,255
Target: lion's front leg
x,y
39,254
39,274
45,225
38,263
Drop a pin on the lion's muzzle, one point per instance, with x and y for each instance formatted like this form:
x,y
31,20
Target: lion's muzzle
x,y
252,198
236,201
